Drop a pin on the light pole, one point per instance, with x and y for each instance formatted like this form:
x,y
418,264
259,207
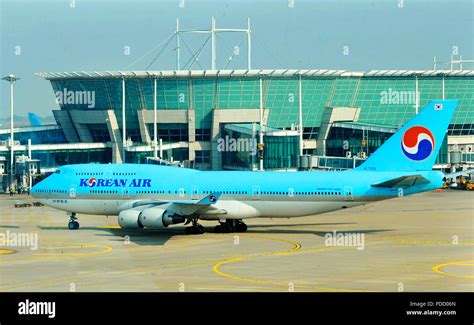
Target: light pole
x,y
11,79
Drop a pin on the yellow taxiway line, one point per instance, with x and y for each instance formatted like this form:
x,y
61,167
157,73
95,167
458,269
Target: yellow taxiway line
x,y
438,269
294,249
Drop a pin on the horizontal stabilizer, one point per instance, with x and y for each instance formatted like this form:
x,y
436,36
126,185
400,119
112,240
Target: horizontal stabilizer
x,y
403,182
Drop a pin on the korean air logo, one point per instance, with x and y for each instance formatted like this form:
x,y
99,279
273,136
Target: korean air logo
x,y
92,182
418,143
212,198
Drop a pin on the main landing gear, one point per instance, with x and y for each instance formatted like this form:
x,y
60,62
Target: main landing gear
x,y
230,225
195,229
73,224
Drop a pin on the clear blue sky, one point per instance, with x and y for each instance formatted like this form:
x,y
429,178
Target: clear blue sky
x,y
311,35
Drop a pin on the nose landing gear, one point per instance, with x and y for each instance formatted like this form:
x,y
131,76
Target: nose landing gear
x,y
73,224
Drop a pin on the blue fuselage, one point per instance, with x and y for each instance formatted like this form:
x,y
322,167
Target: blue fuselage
x,y
112,188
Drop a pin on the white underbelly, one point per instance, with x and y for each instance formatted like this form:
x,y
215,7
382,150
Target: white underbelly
x,y
277,209
86,206
233,209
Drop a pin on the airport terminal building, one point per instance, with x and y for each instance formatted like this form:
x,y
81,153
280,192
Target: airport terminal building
x,y
213,119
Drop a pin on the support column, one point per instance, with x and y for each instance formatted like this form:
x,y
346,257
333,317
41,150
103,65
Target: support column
x,y
124,122
442,85
261,117
213,44
249,46
417,102
114,132
301,115
155,143
12,138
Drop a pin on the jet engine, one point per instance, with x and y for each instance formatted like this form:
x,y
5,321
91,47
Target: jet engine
x,y
150,218
129,219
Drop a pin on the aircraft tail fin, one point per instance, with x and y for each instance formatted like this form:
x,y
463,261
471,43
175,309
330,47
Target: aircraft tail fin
x,y
34,119
416,145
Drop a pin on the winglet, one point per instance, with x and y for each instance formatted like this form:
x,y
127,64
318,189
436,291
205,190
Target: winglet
x,y
210,199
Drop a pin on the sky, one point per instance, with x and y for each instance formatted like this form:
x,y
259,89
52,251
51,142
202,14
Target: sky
x,y
100,35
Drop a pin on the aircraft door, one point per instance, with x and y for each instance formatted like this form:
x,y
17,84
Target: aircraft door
x,y
348,193
256,192
124,191
194,192
109,203
125,195
72,191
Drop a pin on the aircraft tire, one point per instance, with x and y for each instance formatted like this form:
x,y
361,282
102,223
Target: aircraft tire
x,y
195,230
240,227
73,225
228,228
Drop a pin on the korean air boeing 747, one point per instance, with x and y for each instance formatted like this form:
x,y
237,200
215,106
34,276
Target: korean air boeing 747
x,y
155,197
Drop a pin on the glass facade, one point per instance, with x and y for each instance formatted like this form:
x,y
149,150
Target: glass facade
x,y
133,157
55,158
99,132
203,157
204,101
203,134
139,157
170,132
242,153
339,163
443,152
39,135
280,152
383,100
341,140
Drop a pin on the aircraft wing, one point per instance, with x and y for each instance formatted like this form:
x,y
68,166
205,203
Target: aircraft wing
x,y
403,182
187,207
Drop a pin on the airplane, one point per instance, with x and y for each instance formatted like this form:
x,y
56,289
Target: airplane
x,y
155,197
34,119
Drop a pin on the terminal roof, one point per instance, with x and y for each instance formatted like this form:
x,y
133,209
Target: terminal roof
x,y
264,73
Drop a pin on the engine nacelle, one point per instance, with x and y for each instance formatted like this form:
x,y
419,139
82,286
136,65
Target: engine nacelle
x,y
158,218
129,219
153,218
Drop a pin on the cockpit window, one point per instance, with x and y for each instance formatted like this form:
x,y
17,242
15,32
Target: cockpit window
x,y
57,171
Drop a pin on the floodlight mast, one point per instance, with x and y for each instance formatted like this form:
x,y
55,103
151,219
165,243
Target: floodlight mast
x,y
11,79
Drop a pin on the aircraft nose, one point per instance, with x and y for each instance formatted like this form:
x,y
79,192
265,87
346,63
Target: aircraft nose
x,y
38,188
34,190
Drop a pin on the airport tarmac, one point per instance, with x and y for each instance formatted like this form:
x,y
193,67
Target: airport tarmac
x,y
419,243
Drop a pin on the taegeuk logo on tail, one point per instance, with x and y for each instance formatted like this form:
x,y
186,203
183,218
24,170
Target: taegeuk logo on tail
x,y
418,143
